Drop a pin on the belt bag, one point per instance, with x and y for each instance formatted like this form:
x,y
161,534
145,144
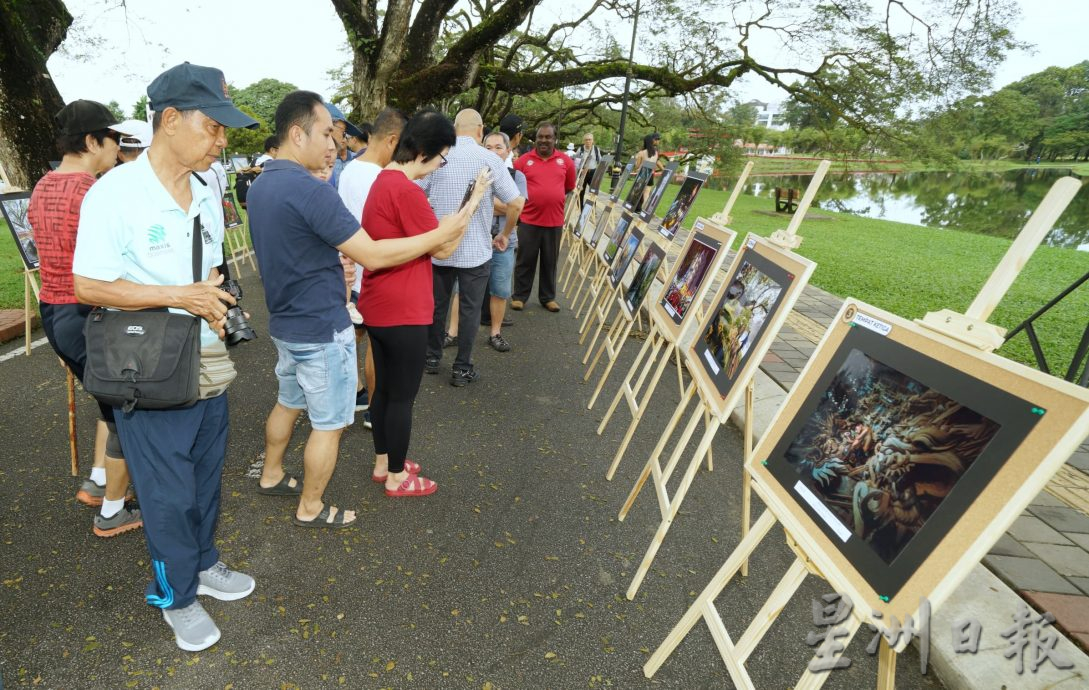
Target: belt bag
x,y
148,360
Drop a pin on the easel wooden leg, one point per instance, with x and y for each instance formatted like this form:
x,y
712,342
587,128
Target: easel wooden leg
x,y
615,347
746,485
886,666
811,680
584,275
680,369
674,420
651,345
28,317
231,252
73,447
638,415
718,582
707,422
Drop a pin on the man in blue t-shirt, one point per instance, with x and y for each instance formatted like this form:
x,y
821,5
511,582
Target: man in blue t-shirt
x,y
300,227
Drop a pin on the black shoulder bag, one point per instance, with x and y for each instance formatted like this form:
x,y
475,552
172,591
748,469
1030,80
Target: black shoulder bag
x,y
148,360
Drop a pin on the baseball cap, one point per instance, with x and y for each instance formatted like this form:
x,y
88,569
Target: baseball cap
x,y
193,87
511,124
335,113
81,117
137,136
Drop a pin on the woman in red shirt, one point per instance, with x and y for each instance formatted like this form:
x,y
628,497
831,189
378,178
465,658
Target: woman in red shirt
x,y
398,303
88,142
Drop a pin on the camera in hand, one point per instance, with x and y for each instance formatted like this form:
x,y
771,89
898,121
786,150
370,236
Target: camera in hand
x,y
237,328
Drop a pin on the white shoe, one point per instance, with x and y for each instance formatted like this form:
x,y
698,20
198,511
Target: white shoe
x,y
224,584
194,630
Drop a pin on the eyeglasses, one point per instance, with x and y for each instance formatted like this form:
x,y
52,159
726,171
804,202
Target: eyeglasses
x,y
444,161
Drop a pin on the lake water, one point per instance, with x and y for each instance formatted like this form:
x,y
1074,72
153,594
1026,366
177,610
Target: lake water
x,y
988,203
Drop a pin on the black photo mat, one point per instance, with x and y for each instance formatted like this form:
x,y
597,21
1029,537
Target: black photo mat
x,y
232,218
619,232
919,440
750,300
642,178
693,269
599,229
15,206
659,191
644,277
584,216
681,205
622,180
625,253
599,173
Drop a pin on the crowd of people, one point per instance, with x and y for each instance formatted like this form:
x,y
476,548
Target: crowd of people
x,y
399,238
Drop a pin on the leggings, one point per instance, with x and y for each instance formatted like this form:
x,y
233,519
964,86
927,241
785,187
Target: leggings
x,y
399,353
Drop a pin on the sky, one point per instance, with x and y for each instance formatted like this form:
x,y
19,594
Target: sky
x,y
113,53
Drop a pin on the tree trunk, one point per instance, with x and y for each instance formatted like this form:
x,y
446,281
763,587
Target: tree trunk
x,y
29,33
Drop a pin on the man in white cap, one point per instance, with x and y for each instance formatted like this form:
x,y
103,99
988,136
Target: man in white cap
x,y
132,145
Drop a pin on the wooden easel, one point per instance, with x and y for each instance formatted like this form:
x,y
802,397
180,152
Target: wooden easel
x,y
609,295
613,346
596,269
572,208
970,328
592,254
577,251
669,507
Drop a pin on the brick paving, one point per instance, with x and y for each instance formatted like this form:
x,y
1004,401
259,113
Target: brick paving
x,y
12,324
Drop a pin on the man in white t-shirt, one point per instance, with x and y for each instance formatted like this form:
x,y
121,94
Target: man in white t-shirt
x,y
355,184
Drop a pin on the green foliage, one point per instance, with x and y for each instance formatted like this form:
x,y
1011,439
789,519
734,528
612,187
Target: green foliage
x,y
262,97
139,109
115,109
248,141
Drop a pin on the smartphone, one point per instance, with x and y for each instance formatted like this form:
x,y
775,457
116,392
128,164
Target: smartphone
x,y
468,194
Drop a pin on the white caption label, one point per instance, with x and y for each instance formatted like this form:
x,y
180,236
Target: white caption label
x,y
816,504
751,243
871,323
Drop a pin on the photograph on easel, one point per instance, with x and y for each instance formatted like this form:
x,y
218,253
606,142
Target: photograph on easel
x,y
692,270
898,453
14,206
629,245
751,298
599,173
232,218
623,180
644,278
599,229
584,217
617,237
682,204
639,183
658,192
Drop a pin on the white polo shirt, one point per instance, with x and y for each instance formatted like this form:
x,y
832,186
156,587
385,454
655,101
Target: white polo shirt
x,y
131,228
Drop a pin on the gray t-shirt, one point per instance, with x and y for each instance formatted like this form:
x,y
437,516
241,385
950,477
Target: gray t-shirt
x,y
500,221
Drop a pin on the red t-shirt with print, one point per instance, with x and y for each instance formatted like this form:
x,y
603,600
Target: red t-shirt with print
x,y
402,295
54,217
547,182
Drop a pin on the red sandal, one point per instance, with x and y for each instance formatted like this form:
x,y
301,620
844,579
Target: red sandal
x,y
414,485
410,467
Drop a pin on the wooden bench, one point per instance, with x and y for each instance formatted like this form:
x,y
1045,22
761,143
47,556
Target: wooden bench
x,y
786,200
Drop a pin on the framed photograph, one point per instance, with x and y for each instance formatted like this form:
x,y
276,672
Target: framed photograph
x,y
599,227
690,278
584,218
658,192
622,180
644,278
758,292
625,253
642,178
682,204
599,173
240,163
231,217
620,230
901,456
14,206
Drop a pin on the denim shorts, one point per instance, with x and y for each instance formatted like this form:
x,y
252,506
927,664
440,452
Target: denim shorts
x,y
319,378
499,285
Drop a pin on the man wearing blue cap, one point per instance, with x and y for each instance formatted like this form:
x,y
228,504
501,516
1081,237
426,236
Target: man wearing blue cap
x,y
134,250
342,129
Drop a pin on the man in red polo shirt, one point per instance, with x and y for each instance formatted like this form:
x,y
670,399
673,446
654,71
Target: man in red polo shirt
x,y
550,176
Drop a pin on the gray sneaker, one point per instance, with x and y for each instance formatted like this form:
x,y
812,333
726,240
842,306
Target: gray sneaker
x,y
90,494
126,519
224,584
193,628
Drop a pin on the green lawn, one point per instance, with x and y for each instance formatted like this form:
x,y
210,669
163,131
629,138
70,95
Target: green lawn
x,y
906,269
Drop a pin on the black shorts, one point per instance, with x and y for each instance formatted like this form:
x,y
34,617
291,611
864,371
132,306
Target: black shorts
x,y
63,326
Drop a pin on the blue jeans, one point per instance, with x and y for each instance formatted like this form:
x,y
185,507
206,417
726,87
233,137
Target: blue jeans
x,y
319,378
499,285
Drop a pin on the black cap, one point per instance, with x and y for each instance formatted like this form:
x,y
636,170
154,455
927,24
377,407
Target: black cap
x,y
192,87
82,117
511,124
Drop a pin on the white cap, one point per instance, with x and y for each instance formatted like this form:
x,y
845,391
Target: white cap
x,y
139,136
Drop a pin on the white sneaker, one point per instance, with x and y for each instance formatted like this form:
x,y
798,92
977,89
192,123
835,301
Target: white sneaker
x,y
224,584
193,628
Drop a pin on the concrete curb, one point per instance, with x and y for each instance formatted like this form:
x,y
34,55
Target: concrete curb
x,y
982,597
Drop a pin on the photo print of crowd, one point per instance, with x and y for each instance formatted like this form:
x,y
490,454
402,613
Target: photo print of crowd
x,y
749,301
15,206
644,277
682,289
686,195
882,451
